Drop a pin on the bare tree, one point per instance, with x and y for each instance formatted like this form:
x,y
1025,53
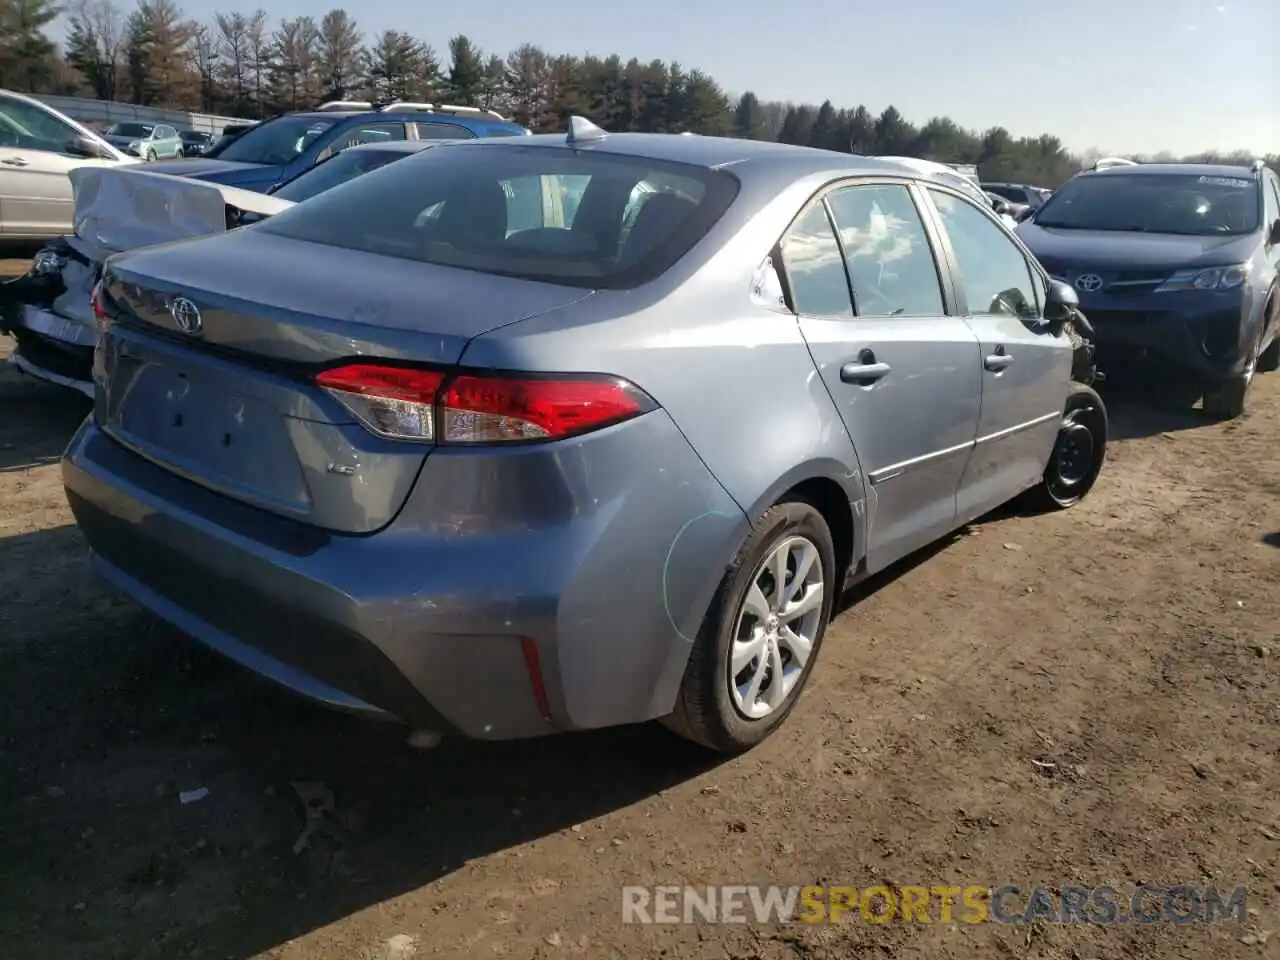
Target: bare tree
x,y
293,67
233,39
258,44
205,53
96,44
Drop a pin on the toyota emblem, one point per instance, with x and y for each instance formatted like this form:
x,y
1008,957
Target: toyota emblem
x,y
187,316
1089,282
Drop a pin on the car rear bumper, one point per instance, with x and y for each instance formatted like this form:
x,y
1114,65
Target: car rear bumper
x,y
51,348
478,610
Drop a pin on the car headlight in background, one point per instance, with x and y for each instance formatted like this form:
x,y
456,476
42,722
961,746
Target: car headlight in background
x,y
47,262
135,147
1212,278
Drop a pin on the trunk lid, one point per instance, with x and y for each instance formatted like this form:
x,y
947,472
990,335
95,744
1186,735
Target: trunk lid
x,y
233,408
120,209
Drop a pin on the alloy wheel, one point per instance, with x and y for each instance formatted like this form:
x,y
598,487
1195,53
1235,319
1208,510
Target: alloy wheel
x,y
776,628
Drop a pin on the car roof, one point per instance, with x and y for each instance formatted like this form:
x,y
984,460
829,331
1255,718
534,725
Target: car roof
x,y
418,116
1167,169
395,146
713,153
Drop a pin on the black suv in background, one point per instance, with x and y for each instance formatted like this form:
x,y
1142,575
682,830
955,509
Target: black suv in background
x,y
1177,265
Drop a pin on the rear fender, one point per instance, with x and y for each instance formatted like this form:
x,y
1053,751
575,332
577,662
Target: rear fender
x,y
851,484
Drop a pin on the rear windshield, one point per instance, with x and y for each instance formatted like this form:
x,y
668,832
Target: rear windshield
x,y
338,169
539,213
275,142
1191,204
130,130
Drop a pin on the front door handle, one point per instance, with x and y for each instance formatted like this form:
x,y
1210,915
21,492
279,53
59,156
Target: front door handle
x,y
866,371
997,361
14,162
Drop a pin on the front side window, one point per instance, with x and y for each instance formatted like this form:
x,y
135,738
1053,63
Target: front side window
x,y
1272,202
993,273
30,128
1179,203
338,170
354,136
537,213
891,265
814,266
276,142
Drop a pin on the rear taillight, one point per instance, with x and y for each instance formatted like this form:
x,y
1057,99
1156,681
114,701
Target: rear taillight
x,y
396,402
98,299
404,403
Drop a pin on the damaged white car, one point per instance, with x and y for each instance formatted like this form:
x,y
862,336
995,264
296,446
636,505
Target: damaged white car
x,y
48,311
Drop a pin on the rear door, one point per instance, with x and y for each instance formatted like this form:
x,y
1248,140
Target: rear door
x,y
1025,369
903,373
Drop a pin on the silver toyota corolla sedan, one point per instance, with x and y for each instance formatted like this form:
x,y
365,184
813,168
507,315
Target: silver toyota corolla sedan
x,y
562,432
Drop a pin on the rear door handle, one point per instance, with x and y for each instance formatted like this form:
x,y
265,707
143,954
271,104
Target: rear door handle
x,y
14,162
997,361
866,371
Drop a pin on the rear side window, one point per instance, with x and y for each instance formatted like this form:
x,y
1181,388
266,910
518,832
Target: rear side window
x,y
428,130
537,213
815,268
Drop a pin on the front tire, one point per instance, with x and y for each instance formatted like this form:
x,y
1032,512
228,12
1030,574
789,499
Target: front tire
x,y
762,634
1078,453
150,156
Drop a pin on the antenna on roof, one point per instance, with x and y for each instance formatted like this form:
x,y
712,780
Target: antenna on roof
x,y
582,130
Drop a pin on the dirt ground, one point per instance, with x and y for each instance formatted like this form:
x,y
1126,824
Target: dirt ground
x,y
1085,698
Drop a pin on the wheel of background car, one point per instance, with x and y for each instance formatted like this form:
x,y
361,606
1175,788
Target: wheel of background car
x,y
1228,399
761,637
1269,359
1078,453
151,155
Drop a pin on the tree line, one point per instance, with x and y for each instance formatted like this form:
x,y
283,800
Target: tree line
x,y
246,65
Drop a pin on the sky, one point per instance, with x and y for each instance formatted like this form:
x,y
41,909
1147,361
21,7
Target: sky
x,y
1124,76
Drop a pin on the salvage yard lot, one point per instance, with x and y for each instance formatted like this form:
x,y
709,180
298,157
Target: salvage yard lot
x,y
1083,698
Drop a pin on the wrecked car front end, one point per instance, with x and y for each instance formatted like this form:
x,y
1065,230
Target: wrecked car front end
x,y
48,311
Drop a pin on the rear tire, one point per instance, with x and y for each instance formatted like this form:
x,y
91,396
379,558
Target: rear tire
x,y
1269,359
1078,453
732,712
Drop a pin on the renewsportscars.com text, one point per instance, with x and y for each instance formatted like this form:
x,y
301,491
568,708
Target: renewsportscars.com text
x,y
943,903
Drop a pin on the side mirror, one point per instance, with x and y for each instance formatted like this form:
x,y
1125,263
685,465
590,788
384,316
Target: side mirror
x,y
1001,207
1025,214
82,146
1061,302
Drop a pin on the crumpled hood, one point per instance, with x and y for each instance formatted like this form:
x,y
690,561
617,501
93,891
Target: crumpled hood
x,y
257,177
1109,249
121,208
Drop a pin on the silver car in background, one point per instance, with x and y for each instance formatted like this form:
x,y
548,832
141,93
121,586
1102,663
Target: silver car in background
x,y
39,147
518,436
